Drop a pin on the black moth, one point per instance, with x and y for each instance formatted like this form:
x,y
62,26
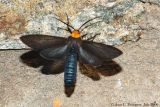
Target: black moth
x,y
62,54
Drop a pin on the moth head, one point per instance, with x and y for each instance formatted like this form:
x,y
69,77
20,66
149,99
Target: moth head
x,y
75,34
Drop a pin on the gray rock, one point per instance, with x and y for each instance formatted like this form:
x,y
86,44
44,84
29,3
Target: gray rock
x,y
157,2
12,44
23,86
138,83
120,20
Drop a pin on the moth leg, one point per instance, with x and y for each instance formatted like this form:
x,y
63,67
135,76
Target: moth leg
x,y
93,37
83,36
89,71
90,38
60,28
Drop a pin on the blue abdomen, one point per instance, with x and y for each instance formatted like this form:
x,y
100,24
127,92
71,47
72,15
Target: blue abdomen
x,y
70,69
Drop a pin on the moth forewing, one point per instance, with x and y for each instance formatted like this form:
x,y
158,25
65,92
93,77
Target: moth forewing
x,y
39,42
55,52
101,50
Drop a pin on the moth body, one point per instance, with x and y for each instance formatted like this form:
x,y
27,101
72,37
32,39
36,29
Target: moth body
x,y
70,69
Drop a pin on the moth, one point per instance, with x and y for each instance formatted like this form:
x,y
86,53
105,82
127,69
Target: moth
x,y
63,54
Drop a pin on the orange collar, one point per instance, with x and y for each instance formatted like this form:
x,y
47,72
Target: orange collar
x,y
75,34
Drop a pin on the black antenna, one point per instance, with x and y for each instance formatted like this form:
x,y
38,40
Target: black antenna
x,y
64,23
59,28
89,25
68,24
87,22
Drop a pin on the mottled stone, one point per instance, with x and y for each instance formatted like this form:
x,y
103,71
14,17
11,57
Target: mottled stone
x,y
157,2
45,25
2,36
12,44
138,83
36,17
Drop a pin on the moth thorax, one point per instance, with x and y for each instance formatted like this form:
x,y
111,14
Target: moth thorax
x,y
75,34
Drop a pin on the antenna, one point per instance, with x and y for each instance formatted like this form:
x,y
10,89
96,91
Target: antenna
x,y
65,23
89,25
87,22
68,24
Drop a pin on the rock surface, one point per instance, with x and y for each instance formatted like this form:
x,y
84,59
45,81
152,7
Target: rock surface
x,y
138,83
120,19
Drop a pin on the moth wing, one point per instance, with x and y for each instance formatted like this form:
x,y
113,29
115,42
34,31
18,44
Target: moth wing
x,y
89,71
105,52
108,68
53,67
55,52
32,59
39,42
88,57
